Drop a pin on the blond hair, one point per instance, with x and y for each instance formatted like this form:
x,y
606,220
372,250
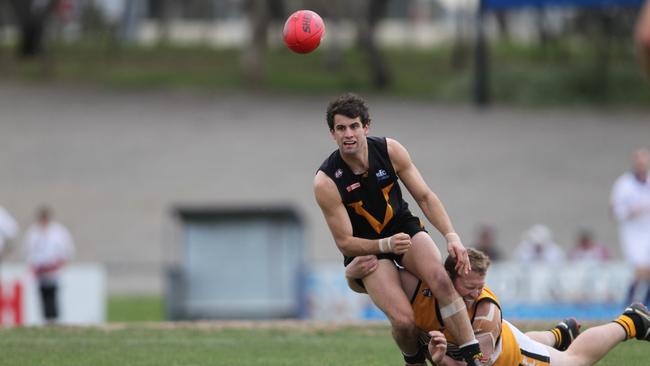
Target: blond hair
x,y
479,261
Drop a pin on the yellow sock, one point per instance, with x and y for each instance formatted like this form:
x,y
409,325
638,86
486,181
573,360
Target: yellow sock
x,y
628,325
558,337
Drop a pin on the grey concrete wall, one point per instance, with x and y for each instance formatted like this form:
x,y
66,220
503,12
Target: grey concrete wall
x,y
113,164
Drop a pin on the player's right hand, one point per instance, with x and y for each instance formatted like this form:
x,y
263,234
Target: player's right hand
x,y
400,243
361,266
437,346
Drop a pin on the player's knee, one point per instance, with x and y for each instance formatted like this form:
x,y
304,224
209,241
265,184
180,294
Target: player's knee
x,y
574,359
441,284
403,323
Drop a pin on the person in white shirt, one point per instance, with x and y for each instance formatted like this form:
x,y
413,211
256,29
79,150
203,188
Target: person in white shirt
x,y
630,204
8,230
537,245
588,249
49,247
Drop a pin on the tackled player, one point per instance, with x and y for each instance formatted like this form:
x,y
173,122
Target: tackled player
x,y
501,342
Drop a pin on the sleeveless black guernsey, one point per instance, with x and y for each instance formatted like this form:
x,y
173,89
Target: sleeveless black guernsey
x,y
373,200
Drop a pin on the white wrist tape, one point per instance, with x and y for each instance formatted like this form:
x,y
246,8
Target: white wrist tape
x,y
385,245
452,237
452,308
473,341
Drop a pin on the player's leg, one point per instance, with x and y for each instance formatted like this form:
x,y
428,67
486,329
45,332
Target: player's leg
x,y
594,343
385,290
635,320
518,348
558,337
423,260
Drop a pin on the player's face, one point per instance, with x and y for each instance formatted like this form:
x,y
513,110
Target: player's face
x,y
349,134
469,287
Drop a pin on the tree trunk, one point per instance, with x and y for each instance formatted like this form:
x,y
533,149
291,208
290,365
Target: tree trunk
x,y
32,19
502,24
379,73
253,56
261,12
165,9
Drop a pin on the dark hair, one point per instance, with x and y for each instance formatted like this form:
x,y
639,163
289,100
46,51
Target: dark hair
x,y
349,105
479,261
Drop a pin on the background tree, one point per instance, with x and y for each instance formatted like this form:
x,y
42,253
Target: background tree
x,y
380,75
260,13
31,17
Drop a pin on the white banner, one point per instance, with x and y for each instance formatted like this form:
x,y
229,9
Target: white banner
x,y
526,291
82,295
568,282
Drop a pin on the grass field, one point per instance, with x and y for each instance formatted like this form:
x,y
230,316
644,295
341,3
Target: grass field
x,y
131,308
213,343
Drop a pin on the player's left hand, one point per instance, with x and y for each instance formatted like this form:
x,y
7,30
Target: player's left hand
x,y
458,251
437,346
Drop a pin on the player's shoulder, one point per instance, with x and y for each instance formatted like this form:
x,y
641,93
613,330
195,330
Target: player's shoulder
x,y
391,141
394,145
325,190
487,296
488,293
321,179
323,184
397,153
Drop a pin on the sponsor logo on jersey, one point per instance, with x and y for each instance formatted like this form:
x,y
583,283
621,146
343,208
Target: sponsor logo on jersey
x,y
426,293
381,175
353,186
338,173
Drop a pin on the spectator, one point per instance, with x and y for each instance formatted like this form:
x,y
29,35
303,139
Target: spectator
x,y
49,247
588,249
630,204
486,242
8,230
537,245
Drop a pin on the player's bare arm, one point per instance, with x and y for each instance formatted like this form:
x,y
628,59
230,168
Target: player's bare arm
x,y
428,201
359,268
487,326
364,265
337,219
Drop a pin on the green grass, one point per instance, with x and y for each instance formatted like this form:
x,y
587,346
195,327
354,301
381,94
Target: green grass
x,y
135,309
137,335
563,73
210,344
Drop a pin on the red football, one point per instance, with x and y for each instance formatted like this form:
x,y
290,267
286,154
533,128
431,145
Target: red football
x,y
303,31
